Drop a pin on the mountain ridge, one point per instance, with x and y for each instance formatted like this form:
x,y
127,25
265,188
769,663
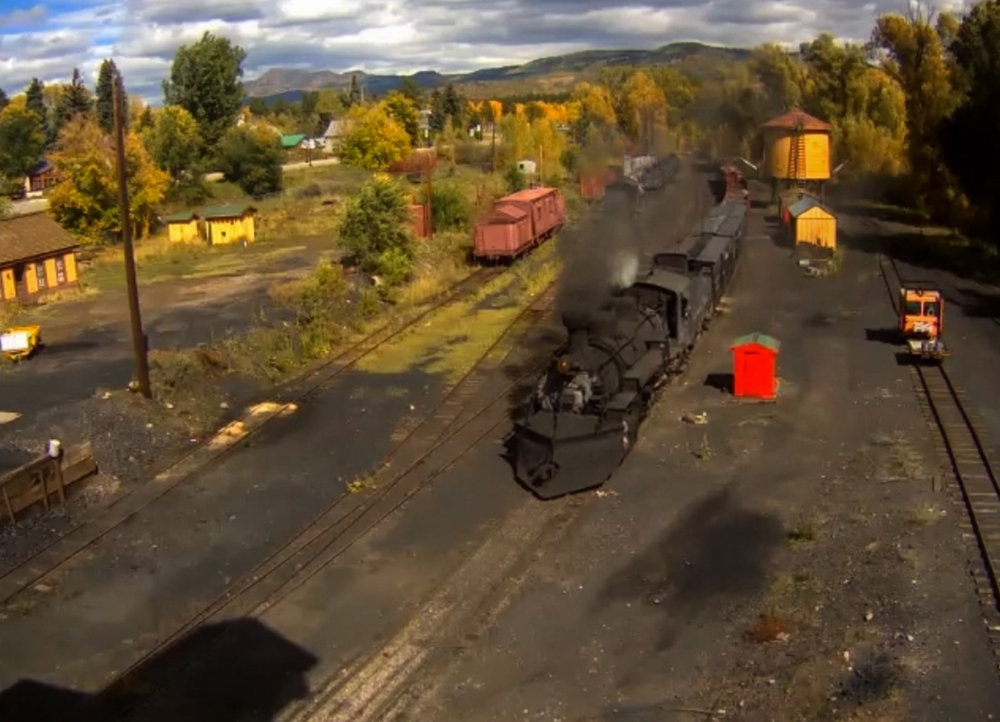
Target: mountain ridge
x,y
553,73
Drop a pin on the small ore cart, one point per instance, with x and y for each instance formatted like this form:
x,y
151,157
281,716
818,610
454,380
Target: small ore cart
x,y
921,321
20,342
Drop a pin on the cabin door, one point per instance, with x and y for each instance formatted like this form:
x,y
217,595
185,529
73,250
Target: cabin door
x,y
20,281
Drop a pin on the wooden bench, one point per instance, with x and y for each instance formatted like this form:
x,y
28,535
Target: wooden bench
x,y
43,476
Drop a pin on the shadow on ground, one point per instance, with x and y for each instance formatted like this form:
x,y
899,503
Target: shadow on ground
x,y
715,552
238,670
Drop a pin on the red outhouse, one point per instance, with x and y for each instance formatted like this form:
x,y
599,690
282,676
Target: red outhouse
x,y
755,362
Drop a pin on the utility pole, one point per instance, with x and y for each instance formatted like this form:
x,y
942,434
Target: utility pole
x,y
493,148
139,347
430,194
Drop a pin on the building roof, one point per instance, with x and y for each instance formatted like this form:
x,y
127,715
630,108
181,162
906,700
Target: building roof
x,y
290,141
761,339
31,236
804,204
228,211
42,166
336,128
797,119
180,217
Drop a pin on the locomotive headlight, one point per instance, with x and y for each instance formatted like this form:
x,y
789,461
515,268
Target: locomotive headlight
x,y
564,365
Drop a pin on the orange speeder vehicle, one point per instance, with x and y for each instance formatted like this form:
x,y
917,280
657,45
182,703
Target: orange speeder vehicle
x,y
921,321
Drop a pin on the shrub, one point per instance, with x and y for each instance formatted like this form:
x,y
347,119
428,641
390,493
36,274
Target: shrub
x,y
375,228
251,158
450,209
516,179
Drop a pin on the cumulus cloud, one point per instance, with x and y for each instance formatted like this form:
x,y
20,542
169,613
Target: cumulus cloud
x,y
48,39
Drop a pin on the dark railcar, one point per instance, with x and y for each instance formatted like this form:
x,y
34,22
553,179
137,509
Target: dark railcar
x,y
583,418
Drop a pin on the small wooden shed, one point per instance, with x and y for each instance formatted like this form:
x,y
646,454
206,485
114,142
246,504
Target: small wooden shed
x,y
182,227
813,223
36,255
229,224
755,364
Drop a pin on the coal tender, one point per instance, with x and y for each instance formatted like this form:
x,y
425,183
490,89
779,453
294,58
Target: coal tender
x,y
582,420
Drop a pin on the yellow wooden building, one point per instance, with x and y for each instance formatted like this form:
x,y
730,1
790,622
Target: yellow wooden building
x,y
813,223
797,148
229,224
36,255
182,227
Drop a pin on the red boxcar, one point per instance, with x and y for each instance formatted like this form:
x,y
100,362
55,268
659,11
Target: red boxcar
x,y
504,233
531,216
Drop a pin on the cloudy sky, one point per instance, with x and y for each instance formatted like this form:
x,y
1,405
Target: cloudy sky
x,y
48,38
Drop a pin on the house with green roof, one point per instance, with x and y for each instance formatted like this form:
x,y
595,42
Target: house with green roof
x,y
288,142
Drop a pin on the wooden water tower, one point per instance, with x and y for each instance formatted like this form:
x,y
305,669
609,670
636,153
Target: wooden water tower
x,y
797,152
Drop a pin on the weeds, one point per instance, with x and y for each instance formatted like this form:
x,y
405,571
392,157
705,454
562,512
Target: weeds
x,y
704,451
803,533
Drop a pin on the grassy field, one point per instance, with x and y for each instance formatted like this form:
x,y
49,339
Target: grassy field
x,y
306,209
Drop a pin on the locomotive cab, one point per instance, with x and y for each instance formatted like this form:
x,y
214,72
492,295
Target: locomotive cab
x,y
921,313
921,321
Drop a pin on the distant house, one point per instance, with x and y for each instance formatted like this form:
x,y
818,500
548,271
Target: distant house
x,y
289,142
36,255
182,227
39,179
229,224
334,133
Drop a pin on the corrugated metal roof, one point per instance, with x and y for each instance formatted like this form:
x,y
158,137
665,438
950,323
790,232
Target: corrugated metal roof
x,y
804,204
32,236
226,211
761,339
797,119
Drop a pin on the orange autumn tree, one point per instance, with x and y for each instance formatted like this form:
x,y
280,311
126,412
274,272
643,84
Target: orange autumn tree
x,y
85,201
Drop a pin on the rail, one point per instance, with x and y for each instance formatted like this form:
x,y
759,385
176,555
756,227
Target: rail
x,y
35,568
976,480
455,422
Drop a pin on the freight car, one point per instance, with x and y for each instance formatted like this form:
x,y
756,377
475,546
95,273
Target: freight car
x,y
583,418
518,223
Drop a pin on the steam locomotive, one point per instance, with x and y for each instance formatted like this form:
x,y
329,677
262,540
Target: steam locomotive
x,y
584,416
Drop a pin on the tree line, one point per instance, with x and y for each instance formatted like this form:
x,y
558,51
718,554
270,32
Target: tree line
x,y
913,109
168,149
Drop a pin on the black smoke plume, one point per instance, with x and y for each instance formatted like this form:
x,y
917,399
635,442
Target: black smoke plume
x,y
601,254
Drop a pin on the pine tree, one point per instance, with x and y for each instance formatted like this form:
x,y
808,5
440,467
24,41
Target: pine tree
x,y
354,94
105,97
4,100
35,102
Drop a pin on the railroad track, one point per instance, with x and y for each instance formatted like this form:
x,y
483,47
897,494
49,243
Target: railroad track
x,y
469,413
84,535
976,487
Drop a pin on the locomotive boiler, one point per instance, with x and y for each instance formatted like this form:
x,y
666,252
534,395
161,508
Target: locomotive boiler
x,y
585,413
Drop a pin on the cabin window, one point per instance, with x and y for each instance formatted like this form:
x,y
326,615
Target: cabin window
x,y
931,308
40,275
912,308
60,270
